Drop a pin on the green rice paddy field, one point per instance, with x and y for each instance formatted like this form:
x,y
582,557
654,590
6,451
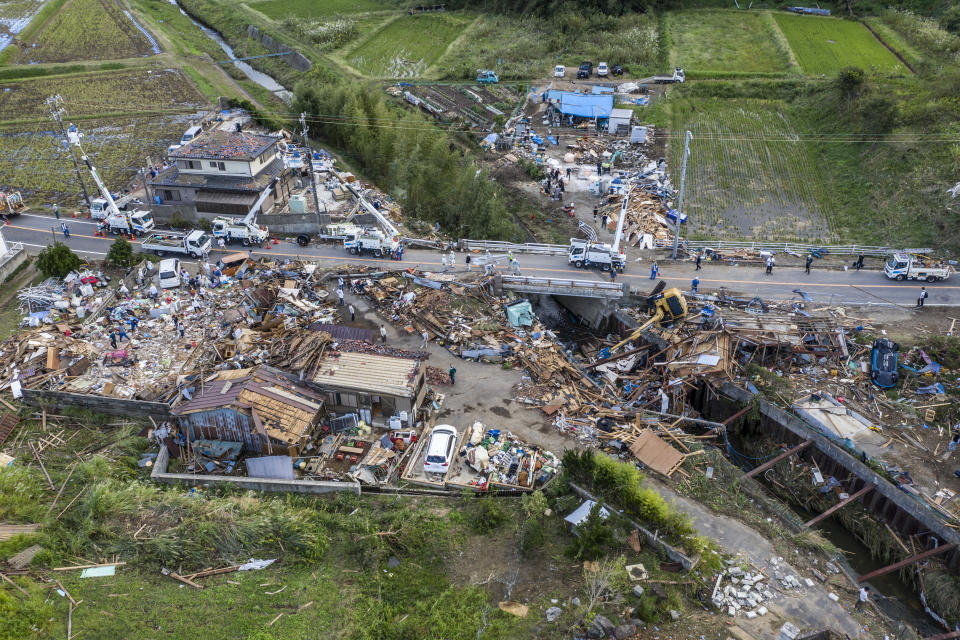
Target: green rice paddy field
x,y
827,45
407,46
726,40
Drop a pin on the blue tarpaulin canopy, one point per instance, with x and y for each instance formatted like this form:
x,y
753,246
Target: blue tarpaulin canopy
x,y
582,105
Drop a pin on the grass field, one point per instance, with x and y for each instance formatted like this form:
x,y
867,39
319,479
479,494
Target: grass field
x,y
87,30
827,45
408,46
528,47
279,9
725,40
739,185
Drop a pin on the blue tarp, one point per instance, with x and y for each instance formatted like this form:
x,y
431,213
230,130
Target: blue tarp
x,y
598,90
584,106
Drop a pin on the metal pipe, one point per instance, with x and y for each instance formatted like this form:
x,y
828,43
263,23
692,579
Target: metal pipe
x,y
683,180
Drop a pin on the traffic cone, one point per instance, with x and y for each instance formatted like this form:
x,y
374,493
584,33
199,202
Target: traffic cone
x,y
275,240
267,245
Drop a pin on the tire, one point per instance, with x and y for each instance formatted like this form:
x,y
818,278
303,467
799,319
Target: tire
x,y
604,267
354,251
115,231
931,278
900,277
160,254
578,264
303,240
137,233
378,253
246,242
194,255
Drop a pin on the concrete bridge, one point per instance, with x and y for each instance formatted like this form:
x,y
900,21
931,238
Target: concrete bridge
x,y
562,287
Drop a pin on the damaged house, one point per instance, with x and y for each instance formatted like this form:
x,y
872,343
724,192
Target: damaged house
x,y
262,408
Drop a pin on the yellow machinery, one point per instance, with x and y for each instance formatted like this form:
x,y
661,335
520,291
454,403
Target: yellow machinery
x,y
667,305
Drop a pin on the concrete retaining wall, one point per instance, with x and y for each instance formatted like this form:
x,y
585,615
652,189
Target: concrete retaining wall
x,y
296,59
97,404
9,264
159,474
687,563
290,223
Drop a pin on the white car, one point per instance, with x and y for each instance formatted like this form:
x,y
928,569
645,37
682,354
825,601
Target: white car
x,y
602,70
559,71
169,273
440,447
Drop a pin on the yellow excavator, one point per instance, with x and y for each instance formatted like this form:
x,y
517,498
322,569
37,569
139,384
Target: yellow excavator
x,y
667,305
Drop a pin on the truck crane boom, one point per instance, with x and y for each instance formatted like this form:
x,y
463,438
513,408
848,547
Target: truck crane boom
x,y
73,136
252,214
623,216
391,230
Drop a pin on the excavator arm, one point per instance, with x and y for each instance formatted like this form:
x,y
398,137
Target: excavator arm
x,y
656,317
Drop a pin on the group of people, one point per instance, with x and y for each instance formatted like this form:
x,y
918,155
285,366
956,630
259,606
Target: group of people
x,y
555,179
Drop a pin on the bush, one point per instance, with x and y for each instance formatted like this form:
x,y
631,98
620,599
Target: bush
x,y
179,222
57,261
593,537
487,515
530,535
121,252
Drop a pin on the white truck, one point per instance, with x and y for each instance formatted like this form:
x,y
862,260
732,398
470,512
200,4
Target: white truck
x,y
907,266
194,243
584,254
371,240
376,241
678,76
235,229
138,222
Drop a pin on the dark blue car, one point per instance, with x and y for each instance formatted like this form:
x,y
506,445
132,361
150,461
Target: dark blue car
x,y
884,363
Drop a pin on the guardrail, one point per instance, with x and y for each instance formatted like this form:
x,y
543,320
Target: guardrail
x,y
14,249
847,249
504,247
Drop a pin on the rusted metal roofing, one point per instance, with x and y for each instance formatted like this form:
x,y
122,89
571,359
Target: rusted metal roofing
x,y
369,373
222,145
212,395
341,332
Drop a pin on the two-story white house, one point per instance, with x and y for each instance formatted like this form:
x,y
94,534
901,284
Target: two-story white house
x,y
223,172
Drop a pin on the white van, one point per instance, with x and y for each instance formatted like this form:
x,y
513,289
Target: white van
x,y
190,134
559,71
443,439
169,273
602,70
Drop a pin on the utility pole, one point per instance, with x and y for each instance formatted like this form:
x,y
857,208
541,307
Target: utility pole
x,y
683,179
56,113
309,158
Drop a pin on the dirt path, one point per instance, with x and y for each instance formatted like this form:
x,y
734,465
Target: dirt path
x,y
812,610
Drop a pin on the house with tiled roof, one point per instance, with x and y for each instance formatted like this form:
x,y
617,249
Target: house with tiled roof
x,y
224,173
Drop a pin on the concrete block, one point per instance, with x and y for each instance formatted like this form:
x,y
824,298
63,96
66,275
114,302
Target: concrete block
x,y
762,611
789,631
808,582
833,597
731,611
751,615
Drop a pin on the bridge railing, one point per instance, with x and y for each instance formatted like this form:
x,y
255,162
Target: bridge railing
x,y
504,247
563,283
845,249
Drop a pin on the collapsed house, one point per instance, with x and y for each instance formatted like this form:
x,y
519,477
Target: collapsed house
x,y
261,407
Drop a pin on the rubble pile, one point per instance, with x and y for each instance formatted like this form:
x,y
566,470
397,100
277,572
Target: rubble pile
x,y
744,592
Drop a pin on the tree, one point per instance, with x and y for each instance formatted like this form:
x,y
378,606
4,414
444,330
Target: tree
x,y
121,252
850,80
593,537
57,261
950,20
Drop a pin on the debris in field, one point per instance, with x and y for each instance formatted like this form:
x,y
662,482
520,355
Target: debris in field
x,y
515,608
253,565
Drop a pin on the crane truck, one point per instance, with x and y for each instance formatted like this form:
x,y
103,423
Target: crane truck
x,y
194,243
246,229
591,253
666,305
376,241
137,222
907,266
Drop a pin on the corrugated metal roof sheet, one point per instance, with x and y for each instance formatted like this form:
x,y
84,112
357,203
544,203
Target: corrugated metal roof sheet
x,y
213,396
342,332
370,373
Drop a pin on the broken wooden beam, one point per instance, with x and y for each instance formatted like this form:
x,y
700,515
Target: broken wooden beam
x,y
180,578
90,566
944,636
905,563
738,414
840,505
786,454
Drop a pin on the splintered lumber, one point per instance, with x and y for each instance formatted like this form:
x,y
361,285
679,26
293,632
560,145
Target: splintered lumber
x,y
212,572
743,411
7,424
43,468
907,562
619,356
783,456
655,453
180,578
840,505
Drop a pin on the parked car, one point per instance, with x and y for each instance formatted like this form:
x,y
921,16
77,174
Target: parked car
x,y
443,439
884,363
169,273
602,70
585,70
559,71
617,70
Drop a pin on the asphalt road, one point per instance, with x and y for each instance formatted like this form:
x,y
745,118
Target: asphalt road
x,y
825,286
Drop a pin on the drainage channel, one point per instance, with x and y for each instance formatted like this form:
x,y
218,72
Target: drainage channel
x,y
264,80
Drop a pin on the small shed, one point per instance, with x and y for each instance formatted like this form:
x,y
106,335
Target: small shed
x,y
263,408
620,118
579,515
373,386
